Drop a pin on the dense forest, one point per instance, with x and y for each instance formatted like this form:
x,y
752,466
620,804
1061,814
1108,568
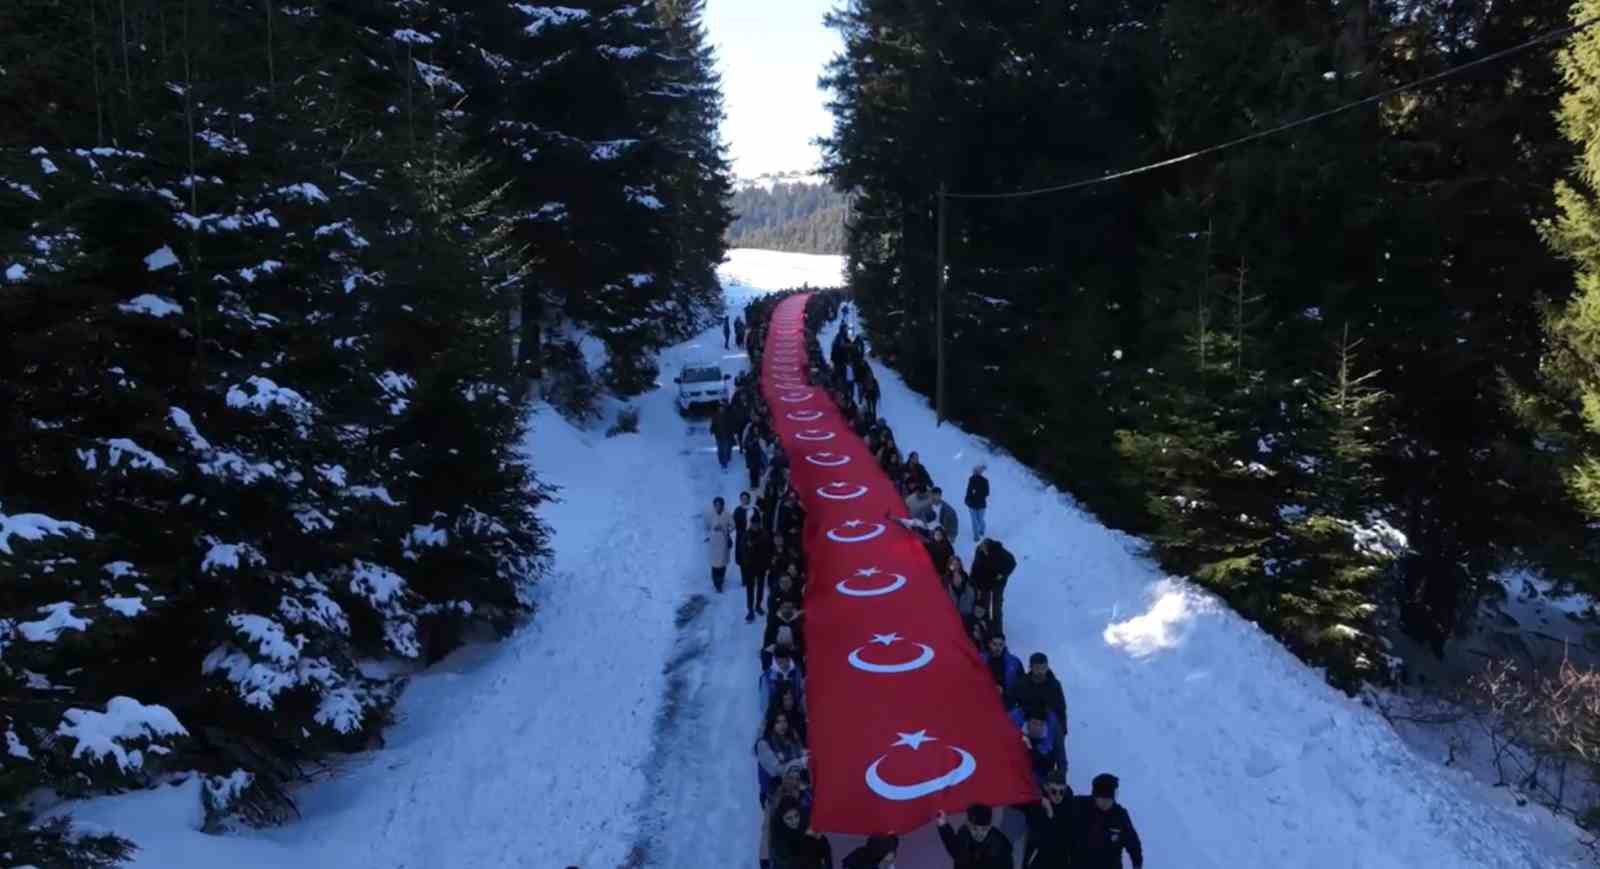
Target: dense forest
x,y
799,217
1328,373
274,279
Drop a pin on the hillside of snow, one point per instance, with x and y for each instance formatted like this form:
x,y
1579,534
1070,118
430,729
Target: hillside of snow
x,y
768,180
616,728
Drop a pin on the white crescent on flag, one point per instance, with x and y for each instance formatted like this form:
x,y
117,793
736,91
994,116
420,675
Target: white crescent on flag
x,y
923,659
845,588
837,536
965,766
842,491
827,460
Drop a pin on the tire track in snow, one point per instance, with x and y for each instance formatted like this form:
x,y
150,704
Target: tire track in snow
x,y
698,806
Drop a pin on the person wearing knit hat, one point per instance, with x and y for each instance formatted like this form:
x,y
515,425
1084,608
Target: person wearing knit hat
x,y
1103,829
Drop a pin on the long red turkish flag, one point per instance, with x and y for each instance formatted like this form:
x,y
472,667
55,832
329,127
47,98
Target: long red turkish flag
x,y
904,718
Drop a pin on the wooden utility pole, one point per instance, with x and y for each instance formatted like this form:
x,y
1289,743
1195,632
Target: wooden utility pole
x,y
938,315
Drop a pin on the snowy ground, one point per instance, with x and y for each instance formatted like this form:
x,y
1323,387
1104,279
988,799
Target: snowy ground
x,y
559,746
616,729
1231,752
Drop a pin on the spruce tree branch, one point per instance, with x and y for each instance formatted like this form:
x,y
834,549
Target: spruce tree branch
x,y
1541,39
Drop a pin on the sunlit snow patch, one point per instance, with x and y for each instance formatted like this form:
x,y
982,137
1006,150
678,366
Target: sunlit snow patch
x,y
1164,626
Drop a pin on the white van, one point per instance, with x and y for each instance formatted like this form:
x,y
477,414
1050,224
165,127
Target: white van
x,y
702,383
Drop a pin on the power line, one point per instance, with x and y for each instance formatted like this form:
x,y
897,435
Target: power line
x,y
1309,119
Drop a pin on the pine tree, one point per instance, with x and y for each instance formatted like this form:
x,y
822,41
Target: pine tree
x,y
1324,567
259,419
1572,363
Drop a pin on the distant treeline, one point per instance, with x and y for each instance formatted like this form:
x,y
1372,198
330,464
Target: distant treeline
x,y
801,218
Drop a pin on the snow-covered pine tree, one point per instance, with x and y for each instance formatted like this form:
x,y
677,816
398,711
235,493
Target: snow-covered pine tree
x,y
700,179
589,91
257,411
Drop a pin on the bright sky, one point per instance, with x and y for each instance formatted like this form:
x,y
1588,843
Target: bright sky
x,y
771,53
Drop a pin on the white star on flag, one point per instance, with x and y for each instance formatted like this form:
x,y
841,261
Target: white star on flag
x,y
868,571
853,523
914,740
885,639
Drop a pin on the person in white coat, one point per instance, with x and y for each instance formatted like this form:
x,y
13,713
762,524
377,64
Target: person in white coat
x,y
719,535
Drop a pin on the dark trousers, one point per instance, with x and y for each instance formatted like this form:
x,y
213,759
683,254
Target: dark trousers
x,y
717,576
755,587
724,452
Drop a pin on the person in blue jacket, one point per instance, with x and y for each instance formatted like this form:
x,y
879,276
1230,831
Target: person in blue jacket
x,y
1041,732
777,752
1003,666
781,672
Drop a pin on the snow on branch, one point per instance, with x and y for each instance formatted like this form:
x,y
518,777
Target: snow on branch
x,y
304,191
264,395
553,16
35,526
230,556
386,591
151,305
433,76
109,733
58,617
160,258
184,423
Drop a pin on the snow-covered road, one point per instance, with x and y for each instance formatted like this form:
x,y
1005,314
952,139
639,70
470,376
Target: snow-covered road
x,y
616,729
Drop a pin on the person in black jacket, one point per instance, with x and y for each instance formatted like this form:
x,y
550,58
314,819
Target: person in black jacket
x,y
745,517
755,454
978,845
794,844
977,500
753,570
791,519
723,432
915,473
1103,830
878,853
992,566
1050,839
786,626
1039,687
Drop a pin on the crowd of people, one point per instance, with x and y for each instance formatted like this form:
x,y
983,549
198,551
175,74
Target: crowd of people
x,y
762,537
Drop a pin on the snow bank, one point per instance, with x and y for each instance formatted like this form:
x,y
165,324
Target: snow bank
x,y
746,270
565,710
1230,750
